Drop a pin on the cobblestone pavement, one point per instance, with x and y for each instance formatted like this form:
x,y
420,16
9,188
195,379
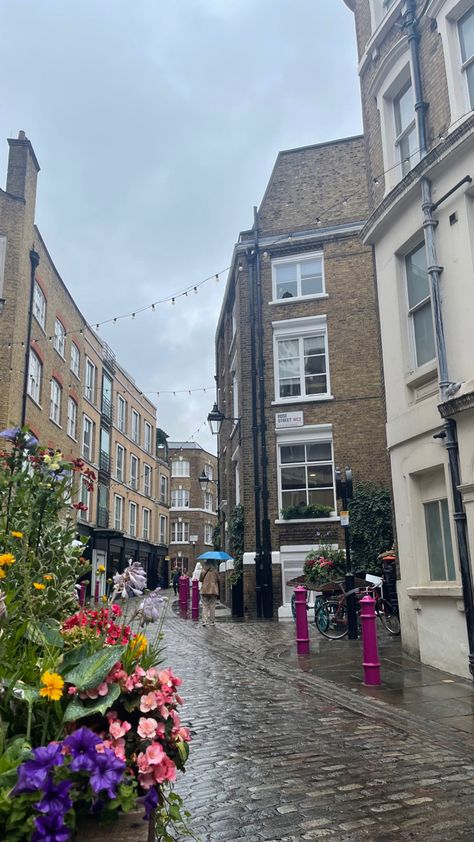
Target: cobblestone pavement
x,y
279,754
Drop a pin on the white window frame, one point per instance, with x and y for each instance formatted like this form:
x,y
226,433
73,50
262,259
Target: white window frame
x,y
311,434
300,329
39,305
410,312
55,401
72,418
164,489
90,378
146,524
120,467
444,535
176,502
208,501
180,532
147,480
59,340
84,496
208,471
75,363
118,512
298,260
183,470
163,530
447,14
148,437
132,522
35,376
133,472
208,534
135,430
121,414
90,454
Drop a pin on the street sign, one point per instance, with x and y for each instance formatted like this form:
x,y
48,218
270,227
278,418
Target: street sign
x,y
288,419
344,518
193,539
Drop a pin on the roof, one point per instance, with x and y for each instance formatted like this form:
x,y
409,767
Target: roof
x,y
184,445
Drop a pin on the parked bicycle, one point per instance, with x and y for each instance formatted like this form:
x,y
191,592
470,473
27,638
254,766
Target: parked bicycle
x,y
331,614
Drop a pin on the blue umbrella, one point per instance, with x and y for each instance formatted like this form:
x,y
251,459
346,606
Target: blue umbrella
x,y
215,555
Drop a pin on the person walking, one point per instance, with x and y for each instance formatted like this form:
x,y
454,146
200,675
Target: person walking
x,y
175,581
209,593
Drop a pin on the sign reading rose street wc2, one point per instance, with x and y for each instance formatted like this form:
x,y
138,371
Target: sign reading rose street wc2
x,y
288,419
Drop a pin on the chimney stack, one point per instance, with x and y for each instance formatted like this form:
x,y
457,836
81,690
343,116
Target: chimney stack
x,y
22,170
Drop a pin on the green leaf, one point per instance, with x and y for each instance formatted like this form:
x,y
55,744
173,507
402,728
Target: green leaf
x,y
92,670
73,657
46,633
79,708
25,692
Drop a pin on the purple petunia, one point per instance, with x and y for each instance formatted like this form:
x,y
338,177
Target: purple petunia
x,y
150,802
82,745
15,433
108,773
55,800
35,774
50,828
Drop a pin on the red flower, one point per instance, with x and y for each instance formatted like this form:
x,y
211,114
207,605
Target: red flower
x,y
80,506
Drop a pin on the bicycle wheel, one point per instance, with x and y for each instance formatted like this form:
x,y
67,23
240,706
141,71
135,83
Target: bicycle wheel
x,y
293,605
319,601
331,619
388,616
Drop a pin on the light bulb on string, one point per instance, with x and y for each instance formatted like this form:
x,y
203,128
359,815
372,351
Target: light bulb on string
x,y
173,301
195,290
133,315
217,278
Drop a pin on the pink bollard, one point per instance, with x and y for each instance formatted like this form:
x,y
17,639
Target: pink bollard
x,y
195,599
96,591
371,661
302,631
183,599
82,595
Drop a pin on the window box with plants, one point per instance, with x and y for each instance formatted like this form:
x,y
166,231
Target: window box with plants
x,y
307,511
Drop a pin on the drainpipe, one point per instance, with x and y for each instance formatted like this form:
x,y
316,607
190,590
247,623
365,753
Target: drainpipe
x,y
449,433
256,470
266,561
34,263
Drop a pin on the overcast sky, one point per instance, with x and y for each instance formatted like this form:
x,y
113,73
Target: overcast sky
x,y
156,125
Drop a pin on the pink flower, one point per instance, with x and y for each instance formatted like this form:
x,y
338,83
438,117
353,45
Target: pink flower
x,y
147,728
146,779
148,702
118,729
165,771
152,674
184,734
154,754
118,746
167,677
112,715
72,690
142,762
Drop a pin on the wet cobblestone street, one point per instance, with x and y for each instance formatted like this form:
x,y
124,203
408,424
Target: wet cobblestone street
x,y
280,754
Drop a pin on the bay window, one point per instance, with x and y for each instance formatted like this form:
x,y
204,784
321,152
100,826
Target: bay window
x,y
180,532
179,498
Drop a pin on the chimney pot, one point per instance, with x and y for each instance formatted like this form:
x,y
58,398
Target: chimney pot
x,y
21,135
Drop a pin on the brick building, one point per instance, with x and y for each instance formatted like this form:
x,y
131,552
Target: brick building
x,y
193,513
298,362
416,65
64,382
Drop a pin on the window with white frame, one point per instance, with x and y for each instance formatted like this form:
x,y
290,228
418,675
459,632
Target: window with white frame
x,y
132,518
122,414
135,426
84,498
163,489
180,532
59,337
55,402
237,481
120,463
118,512
146,524
208,533
208,501
419,307
234,318
301,359
179,498
466,40
39,305
148,443
180,468
406,141
88,439
72,418
299,277
438,537
35,370
75,364
379,9
208,471
90,380
147,489
235,390
133,472
306,474
163,530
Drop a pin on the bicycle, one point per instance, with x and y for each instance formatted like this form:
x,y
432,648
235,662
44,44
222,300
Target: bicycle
x,y
331,616
318,602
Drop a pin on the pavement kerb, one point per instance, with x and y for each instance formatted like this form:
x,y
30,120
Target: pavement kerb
x,y
442,735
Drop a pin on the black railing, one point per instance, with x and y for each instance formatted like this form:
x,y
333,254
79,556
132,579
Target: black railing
x,y
102,517
106,408
104,462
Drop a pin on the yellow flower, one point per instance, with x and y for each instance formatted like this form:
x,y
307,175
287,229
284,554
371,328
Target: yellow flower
x,y
39,586
53,688
104,598
6,559
48,577
2,573
101,568
17,534
138,645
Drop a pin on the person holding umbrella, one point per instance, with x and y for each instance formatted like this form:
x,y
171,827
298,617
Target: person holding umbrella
x,y
210,585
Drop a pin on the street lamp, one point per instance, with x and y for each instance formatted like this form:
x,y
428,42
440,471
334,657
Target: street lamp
x,y
204,481
215,419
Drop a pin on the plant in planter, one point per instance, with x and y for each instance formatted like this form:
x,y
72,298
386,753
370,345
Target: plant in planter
x,y
371,526
236,534
305,511
324,565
